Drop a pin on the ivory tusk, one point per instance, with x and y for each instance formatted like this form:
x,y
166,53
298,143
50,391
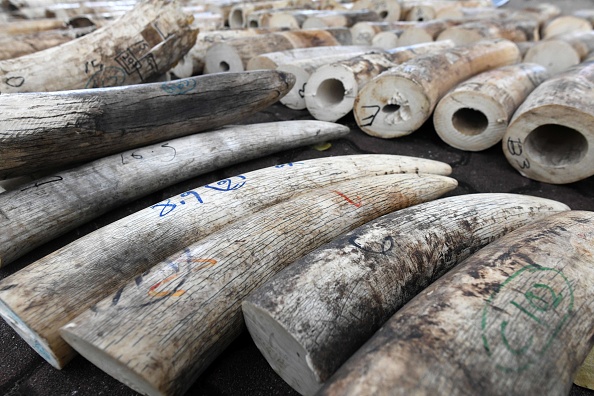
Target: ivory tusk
x,y
19,45
29,27
239,12
388,10
310,318
427,10
234,54
273,60
550,137
192,63
504,322
143,43
555,55
240,258
516,30
388,39
561,52
328,19
128,247
363,32
474,116
43,130
304,68
400,100
49,207
331,90
565,24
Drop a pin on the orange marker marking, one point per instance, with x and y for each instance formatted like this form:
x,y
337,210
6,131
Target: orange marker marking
x,y
356,204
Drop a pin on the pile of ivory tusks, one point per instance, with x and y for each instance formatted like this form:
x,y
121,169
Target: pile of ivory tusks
x,y
155,297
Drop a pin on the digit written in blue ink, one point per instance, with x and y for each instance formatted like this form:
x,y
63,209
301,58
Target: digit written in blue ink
x,y
288,164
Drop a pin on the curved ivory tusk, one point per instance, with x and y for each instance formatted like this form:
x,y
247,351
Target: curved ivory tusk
x,y
15,46
550,137
565,24
513,319
143,43
47,208
126,248
398,101
516,30
304,68
238,259
273,60
474,115
331,90
233,55
29,27
42,130
308,320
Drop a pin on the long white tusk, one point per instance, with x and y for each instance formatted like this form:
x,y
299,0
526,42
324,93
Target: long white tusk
x,y
143,43
474,116
45,130
49,207
309,319
188,308
128,247
513,319
550,137
398,101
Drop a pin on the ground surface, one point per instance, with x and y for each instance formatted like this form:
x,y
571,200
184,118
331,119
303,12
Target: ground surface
x,y
241,370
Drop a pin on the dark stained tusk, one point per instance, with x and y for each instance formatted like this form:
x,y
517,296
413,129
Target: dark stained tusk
x,y
513,319
310,318
45,130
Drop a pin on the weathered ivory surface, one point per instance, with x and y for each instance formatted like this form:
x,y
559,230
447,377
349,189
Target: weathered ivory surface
x,y
126,248
188,308
513,319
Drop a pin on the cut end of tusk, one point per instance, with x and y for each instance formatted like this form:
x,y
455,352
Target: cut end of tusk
x,y
106,362
287,357
330,93
391,106
31,337
221,58
470,121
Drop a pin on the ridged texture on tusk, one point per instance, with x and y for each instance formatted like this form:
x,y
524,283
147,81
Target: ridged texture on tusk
x,y
63,284
46,208
188,308
331,90
47,130
143,43
398,101
513,319
310,318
